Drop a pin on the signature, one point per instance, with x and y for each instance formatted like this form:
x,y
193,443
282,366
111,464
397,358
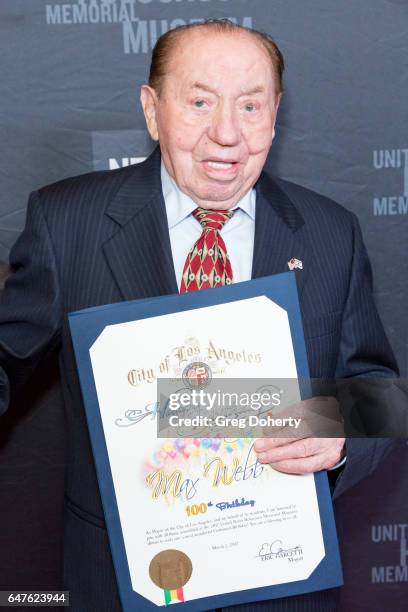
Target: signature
x,y
275,550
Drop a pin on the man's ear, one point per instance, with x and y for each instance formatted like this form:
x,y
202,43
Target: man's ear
x,y
149,101
277,102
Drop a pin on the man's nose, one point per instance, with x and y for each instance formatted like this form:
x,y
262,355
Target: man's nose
x,y
225,129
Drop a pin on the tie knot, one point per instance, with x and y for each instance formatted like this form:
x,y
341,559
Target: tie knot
x,y
212,219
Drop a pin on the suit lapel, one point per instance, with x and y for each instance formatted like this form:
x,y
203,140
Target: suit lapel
x,y
139,253
277,233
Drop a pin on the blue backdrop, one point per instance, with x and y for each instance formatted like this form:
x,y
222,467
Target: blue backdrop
x,y
71,73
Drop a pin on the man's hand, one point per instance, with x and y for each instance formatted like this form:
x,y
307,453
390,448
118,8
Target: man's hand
x,y
301,452
300,456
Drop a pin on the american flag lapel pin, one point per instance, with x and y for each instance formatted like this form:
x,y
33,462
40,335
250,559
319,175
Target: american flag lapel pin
x,y
295,264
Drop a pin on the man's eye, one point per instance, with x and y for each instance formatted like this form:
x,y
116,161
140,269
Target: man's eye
x,y
250,107
199,103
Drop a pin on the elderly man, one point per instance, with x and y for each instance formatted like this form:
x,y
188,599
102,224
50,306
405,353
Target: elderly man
x,y
211,102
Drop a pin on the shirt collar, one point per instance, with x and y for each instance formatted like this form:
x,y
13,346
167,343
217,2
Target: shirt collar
x,y
179,205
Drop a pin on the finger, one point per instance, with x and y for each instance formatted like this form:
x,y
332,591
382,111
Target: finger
x,y
302,430
327,406
263,444
328,452
314,417
300,466
298,449
291,427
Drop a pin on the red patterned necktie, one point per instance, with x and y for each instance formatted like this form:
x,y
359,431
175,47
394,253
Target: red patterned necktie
x,y
207,264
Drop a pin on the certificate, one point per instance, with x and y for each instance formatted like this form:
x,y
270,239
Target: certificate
x,y
197,521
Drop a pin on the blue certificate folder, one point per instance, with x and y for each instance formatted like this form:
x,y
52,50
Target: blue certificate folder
x,y
87,325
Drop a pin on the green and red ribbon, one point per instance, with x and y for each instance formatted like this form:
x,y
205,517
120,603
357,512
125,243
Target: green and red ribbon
x,y
173,596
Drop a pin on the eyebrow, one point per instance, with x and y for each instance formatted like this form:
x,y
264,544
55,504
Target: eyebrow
x,y
248,92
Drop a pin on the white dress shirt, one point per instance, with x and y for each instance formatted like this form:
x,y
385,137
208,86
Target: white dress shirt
x,y
238,233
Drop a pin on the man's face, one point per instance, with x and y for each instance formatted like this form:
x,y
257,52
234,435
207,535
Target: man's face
x,y
215,115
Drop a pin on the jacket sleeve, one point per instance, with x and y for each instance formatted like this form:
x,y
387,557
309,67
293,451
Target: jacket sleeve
x,y
364,348
364,352
30,305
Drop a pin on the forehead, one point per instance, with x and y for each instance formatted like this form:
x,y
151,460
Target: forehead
x,y
222,60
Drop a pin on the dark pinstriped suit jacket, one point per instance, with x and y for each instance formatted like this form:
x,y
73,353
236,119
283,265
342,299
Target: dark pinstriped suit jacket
x,y
102,238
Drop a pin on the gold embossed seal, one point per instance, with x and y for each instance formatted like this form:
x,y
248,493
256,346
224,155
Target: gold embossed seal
x,y
170,570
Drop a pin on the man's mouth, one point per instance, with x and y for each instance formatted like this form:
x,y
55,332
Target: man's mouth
x,y
221,165
219,168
